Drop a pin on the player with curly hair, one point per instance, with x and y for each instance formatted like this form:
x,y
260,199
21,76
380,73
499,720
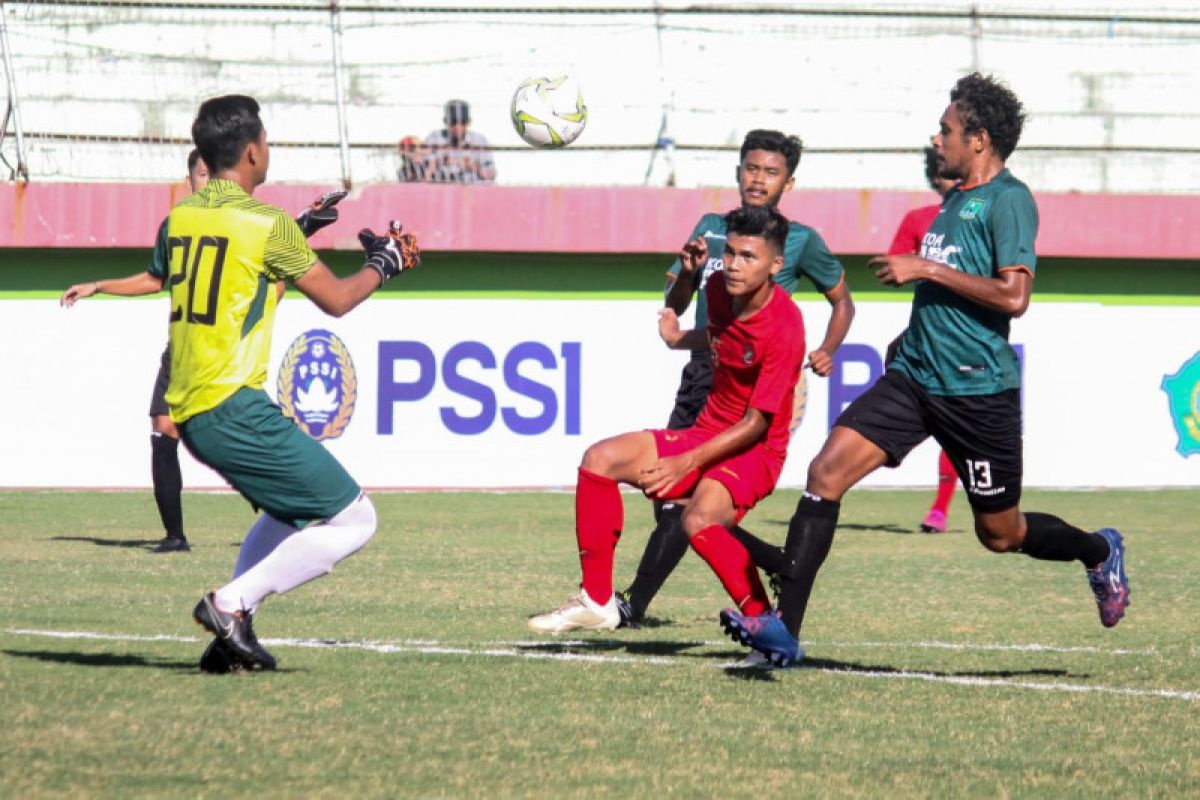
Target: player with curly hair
x,y
954,377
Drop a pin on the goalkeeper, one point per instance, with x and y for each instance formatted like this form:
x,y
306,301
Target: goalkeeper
x,y
165,474
313,513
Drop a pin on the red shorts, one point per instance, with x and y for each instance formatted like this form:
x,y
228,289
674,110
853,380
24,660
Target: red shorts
x,y
749,476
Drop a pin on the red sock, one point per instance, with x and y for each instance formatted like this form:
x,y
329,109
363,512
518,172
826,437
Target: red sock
x,y
599,517
947,482
731,561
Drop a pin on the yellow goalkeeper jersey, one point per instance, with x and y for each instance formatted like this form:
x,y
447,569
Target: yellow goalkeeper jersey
x,y
224,252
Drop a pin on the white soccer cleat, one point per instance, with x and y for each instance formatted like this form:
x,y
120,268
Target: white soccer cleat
x,y
580,612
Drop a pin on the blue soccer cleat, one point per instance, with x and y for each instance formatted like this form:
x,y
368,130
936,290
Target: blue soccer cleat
x,y
1108,580
766,633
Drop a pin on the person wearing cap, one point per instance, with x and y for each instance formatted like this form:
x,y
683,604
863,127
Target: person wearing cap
x,y
459,155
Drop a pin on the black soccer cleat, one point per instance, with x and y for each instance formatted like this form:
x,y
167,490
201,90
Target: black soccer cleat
x,y
236,631
629,617
218,659
172,544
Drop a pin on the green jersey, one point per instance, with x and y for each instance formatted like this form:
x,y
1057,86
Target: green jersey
x,y
954,346
805,256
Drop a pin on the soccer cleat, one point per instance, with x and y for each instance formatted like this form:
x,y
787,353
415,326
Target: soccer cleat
x,y
580,612
766,634
934,522
218,659
629,619
172,544
1108,580
235,630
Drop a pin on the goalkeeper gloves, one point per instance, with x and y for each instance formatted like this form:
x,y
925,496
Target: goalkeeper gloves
x,y
322,212
392,253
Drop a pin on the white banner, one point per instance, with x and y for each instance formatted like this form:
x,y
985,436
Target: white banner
x,y
509,393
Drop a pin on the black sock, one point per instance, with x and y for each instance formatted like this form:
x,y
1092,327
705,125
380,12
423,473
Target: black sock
x,y
810,535
664,550
168,483
767,557
1049,538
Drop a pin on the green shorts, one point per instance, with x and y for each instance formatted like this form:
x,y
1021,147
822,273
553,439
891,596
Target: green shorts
x,y
266,457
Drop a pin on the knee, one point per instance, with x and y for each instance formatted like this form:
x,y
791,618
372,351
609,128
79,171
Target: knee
x,y
358,521
823,478
695,520
998,538
597,458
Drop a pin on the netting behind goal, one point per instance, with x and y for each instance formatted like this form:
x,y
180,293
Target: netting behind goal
x,y
107,90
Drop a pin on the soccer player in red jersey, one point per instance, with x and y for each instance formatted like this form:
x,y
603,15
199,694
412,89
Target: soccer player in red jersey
x,y
908,240
731,458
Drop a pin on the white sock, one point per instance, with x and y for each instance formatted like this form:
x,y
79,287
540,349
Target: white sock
x,y
264,536
296,557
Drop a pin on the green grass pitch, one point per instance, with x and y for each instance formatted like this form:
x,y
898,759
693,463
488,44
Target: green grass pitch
x,y
935,669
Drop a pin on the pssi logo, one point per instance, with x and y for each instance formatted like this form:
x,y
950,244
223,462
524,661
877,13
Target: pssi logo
x,y
409,371
1183,395
317,385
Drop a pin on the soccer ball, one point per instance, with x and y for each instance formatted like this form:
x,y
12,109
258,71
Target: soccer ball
x,y
549,112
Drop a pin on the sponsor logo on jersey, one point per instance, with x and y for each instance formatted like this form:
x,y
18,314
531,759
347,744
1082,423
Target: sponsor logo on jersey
x,y
972,208
934,247
1183,397
317,385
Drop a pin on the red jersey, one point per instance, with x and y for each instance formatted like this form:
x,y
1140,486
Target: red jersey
x,y
756,363
912,230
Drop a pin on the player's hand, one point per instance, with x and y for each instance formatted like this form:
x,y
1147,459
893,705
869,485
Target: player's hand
x,y
392,253
76,293
665,474
321,212
693,255
820,362
900,269
668,327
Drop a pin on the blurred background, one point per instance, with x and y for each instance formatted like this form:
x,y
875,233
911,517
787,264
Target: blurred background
x,y
106,91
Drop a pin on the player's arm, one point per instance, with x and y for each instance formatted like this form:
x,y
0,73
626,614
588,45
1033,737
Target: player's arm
x,y
677,339
387,257
1007,292
692,257
668,471
129,286
820,360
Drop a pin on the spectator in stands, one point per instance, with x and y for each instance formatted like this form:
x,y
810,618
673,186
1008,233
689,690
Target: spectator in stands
x,y
414,160
458,155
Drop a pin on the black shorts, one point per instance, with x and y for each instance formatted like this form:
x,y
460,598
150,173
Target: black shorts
x,y
158,400
694,385
981,434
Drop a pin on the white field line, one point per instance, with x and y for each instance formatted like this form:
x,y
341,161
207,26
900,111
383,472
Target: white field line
x,y
542,650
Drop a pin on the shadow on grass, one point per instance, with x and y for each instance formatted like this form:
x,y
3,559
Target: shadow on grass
x,y
889,528
102,659
114,660
875,669
145,544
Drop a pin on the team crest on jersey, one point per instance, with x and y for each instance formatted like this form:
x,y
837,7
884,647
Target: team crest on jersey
x,y
1183,396
972,208
748,355
317,385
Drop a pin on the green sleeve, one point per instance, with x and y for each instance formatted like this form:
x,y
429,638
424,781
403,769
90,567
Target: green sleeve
x,y
158,257
1014,225
820,265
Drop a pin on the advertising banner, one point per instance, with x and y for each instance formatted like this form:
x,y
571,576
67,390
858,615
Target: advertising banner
x,y
509,393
